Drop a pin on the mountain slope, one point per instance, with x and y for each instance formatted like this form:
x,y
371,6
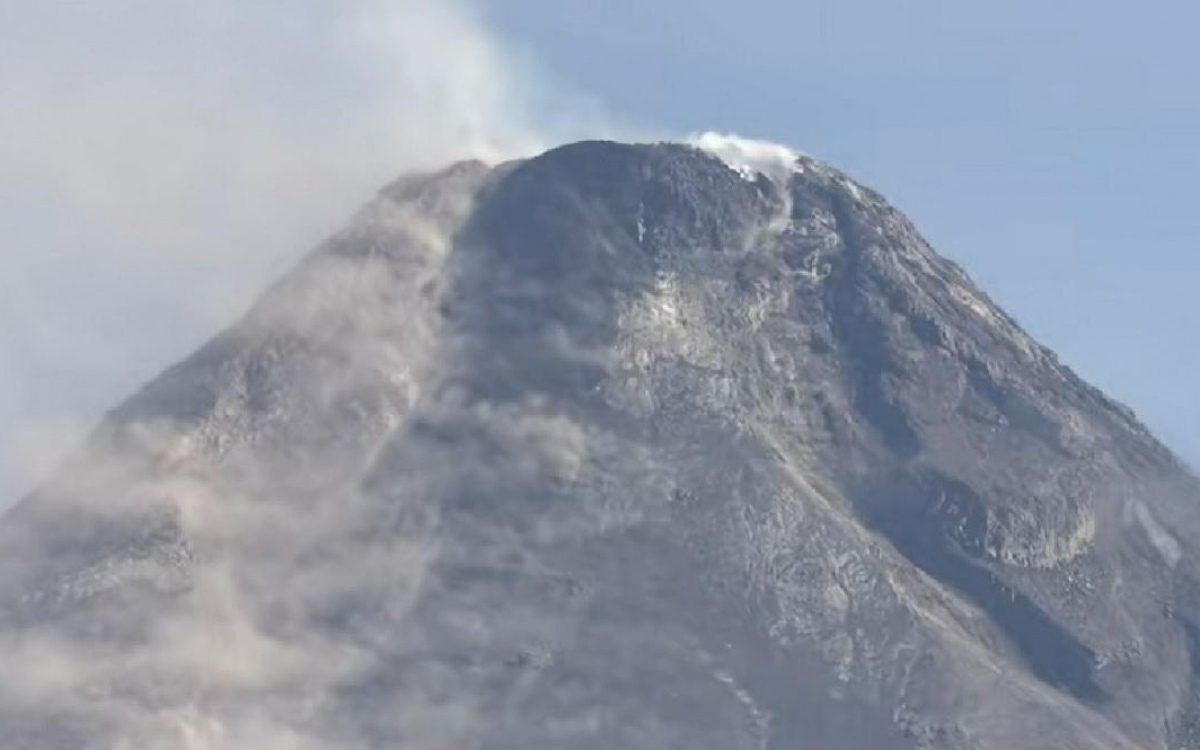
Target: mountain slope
x,y
620,446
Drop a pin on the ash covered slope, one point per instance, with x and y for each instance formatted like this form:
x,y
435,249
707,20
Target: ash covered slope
x,y
621,446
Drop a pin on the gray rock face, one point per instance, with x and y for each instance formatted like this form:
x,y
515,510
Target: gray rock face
x,y
617,447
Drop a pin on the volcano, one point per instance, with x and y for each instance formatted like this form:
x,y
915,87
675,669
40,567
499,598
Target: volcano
x,y
620,446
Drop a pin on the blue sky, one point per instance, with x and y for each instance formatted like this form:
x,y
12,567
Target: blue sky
x,y
161,160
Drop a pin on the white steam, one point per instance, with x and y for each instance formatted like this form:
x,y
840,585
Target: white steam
x,y
749,157
160,161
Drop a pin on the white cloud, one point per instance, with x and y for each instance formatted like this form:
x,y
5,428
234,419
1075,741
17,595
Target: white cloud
x,y
161,161
184,128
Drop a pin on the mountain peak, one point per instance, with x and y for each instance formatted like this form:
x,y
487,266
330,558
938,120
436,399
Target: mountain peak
x,y
620,445
751,157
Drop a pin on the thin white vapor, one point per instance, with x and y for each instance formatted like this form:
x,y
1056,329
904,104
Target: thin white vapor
x,y
160,161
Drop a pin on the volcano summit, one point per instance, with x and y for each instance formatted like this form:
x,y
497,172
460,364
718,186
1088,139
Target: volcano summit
x,y
621,446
